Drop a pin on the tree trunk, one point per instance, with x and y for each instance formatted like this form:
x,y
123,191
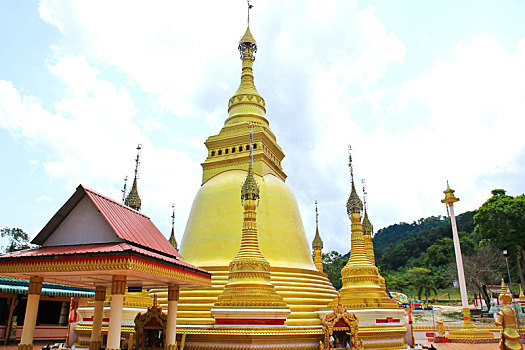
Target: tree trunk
x,y
520,272
485,296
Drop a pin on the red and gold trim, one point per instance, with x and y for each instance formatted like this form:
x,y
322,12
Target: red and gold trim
x,y
104,263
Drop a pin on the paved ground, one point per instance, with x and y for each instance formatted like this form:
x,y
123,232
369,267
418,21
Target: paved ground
x,y
459,346
36,346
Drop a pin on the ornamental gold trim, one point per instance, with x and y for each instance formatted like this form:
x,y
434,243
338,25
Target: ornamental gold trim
x,y
127,263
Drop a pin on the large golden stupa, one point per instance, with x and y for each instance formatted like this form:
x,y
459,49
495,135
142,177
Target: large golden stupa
x,y
213,231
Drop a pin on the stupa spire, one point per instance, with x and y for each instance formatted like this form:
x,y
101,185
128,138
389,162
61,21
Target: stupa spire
x,y
249,285
362,285
247,104
317,243
172,239
367,228
133,199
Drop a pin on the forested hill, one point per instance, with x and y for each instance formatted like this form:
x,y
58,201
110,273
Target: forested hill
x,y
396,245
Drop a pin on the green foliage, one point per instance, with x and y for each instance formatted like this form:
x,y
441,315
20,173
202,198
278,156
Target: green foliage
x,y
333,262
17,239
423,282
501,220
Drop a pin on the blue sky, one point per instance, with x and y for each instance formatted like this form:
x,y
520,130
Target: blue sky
x,y
423,91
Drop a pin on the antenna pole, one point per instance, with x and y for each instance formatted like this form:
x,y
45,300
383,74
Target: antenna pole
x,y
137,161
364,193
124,189
173,216
249,7
316,215
350,163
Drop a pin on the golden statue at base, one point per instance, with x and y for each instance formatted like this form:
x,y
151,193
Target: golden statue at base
x,y
440,327
506,318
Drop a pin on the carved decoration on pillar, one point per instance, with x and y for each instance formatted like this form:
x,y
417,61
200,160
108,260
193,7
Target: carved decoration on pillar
x,y
35,285
100,293
173,292
118,285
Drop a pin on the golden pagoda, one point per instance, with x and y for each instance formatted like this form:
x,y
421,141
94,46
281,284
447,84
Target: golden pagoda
x,y
363,293
212,235
213,230
317,243
249,297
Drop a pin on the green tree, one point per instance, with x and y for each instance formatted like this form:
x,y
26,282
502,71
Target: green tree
x,y
333,262
422,281
17,239
501,220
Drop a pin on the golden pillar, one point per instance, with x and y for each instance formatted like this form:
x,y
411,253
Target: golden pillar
x,y
171,326
96,331
33,297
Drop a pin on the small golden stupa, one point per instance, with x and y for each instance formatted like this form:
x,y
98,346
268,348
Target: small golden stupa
x,y
363,293
249,297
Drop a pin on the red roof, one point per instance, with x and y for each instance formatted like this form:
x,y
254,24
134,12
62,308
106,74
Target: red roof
x,y
128,224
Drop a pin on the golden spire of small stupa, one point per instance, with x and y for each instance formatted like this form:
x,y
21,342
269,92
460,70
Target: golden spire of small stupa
x,y
247,104
367,229
172,239
133,199
362,284
317,243
249,284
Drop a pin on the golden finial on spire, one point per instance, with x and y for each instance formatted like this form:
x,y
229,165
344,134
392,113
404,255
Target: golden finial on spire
x,y
317,243
172,239
250,189
247,104
354,202
133,199
449,199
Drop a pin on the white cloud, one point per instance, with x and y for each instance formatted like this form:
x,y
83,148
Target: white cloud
x,y
44,199
321,68
92,136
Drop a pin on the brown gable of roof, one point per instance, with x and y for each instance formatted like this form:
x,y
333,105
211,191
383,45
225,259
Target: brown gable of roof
x,y
127,223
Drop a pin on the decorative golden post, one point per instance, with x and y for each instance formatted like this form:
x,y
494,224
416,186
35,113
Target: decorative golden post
x,y
96,330
468,331
317,243
33,297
